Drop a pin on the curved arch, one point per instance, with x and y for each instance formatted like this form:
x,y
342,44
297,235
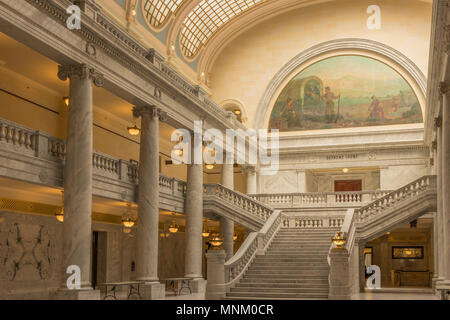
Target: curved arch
x,y
334,46
235,102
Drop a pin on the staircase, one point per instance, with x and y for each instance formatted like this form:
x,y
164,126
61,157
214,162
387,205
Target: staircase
x,y
294,267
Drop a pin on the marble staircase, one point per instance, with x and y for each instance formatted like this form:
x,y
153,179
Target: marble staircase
x,y
294,267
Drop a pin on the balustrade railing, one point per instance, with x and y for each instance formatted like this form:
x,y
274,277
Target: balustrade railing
x,y
320,199
16,135
239,200
411,190
255,243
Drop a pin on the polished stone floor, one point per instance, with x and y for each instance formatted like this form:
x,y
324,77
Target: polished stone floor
x,y
382,294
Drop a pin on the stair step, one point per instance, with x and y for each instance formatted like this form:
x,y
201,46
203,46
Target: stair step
x,y
306,280
279,290
257,295
299,285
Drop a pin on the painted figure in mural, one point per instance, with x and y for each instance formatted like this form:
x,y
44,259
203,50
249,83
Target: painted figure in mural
x,y
329,96
376,110
289,113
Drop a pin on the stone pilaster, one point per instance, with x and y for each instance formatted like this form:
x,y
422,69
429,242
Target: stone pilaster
x,y
445,176
439,262
250,172
77,226
215,288
148,196
339,278
227,225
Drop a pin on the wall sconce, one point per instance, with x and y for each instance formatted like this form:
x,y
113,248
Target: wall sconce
x,y
237,112
339,240
235,236
66,101
209,166
345,170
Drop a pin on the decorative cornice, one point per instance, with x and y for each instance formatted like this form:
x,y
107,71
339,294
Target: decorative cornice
x,y
104,35
154,111
82,71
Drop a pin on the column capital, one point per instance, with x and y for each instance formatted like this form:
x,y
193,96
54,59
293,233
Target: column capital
x,y
154,111
82,71
444,87
248,168
434,144
438,122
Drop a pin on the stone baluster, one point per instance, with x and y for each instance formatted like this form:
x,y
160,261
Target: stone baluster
x,y
148,201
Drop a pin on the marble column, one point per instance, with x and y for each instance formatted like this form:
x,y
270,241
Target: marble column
x,y
227,225
77,226
445,176
194,219
250,172
439,262
148,196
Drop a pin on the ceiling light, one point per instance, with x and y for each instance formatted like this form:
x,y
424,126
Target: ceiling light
x,y
60,213
345,170
127,219
134,130
237,112
173,228
216,241
205,234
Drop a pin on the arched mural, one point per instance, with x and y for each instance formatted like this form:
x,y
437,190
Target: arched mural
x,y
343,92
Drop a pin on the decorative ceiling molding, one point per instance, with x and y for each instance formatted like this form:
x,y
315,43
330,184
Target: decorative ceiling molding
x,y
335,46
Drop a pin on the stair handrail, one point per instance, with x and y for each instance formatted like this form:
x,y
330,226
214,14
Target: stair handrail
x,y
356,217
256,243
367,212
255,207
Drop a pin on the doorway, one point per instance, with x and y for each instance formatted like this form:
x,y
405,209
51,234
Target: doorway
x,y
99,250
347,185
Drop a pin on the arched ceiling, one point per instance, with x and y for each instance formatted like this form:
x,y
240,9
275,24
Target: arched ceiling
x,y
202,28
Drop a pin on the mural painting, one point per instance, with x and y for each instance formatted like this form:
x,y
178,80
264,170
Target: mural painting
x,y
344,92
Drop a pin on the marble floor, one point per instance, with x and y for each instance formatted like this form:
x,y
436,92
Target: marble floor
x,y
382,294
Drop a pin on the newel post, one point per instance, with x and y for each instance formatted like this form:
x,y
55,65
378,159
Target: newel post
x,y
339,277
215,286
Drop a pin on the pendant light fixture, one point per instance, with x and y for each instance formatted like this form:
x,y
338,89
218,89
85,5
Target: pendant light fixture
x,y
60,213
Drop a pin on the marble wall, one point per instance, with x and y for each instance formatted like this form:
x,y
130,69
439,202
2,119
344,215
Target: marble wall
x,y
30,255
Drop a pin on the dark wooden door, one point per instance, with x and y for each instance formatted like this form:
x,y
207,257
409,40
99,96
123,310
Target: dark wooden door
x,y
94,259
347,185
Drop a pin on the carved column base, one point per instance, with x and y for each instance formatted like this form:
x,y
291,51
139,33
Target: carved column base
x,y
153,291
82,294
